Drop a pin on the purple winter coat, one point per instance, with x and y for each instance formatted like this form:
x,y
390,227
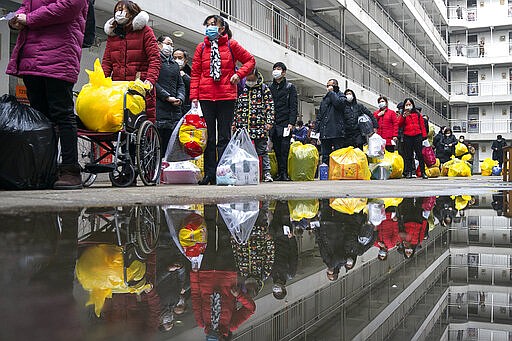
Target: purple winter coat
x,y
51,43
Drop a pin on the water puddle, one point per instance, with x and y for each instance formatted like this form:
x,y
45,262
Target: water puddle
x,y
340,268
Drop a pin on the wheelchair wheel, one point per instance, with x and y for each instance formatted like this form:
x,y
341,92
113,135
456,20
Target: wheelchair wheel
x,y
123,176
86,156
148,153
147,228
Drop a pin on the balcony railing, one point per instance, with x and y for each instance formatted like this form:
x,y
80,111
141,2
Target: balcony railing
x,y
488,126
463,14
286,30
473,50
481,88
393,29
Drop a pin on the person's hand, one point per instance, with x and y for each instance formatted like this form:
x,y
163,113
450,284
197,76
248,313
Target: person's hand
x,y
21,19
375,130
268,126
234,79
177,102
15,24
235,292
395,139
171,99
149,83
290,126
330,88
381,113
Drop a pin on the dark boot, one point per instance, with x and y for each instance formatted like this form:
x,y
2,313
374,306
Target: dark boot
x,y
69,178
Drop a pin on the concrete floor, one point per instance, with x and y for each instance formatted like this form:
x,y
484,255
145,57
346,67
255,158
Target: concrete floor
x,y
103,194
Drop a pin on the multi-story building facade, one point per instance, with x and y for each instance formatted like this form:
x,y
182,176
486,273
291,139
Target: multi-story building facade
x,y
375,47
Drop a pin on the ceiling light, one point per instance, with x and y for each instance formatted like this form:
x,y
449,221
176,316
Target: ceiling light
x,y
394,64
178,34
394,286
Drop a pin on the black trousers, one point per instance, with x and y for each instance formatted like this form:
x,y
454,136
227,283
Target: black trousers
x,y
219,118
281,148
328,146
54,98
413,144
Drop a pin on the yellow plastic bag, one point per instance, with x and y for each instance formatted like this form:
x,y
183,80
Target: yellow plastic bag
x,y
348,164
447,164
300,209
437,164
199,162
487,165
460,149
100,102
302,161
273,164
348,205
193,235
467,157
461,169
461,201
100,271
433,172
395,160
391,202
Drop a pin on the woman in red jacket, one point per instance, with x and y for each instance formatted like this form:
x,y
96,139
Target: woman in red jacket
x,y
132,49
414,134
388,123
214,83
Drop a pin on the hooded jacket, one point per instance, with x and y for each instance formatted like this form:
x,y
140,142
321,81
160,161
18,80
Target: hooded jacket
x,y
132,52
255,109
51,43
169,84
329,122
202,85
388,125
351,115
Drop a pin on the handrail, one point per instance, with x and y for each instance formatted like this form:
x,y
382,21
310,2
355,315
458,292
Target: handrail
x,y
481,88
301,38
473,50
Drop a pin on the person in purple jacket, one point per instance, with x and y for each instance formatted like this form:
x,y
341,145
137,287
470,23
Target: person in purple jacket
x,y
47,57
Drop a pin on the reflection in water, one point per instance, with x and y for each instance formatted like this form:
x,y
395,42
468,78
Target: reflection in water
x,y
339,268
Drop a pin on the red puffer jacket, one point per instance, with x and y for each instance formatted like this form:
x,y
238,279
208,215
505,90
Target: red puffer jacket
x,y
388,232
413,124
203,284
202,85
388,125
137,52
415,232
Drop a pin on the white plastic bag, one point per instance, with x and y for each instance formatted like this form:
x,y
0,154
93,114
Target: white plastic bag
x,y
240,218
376,146
426,143
239,165
376,213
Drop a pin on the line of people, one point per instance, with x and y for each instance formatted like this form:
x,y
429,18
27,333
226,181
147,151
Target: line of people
x,y
223,78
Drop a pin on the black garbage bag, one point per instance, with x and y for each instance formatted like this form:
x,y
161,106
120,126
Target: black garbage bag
x,y
28,153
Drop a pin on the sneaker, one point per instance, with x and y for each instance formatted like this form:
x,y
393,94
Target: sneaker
x,y
267,177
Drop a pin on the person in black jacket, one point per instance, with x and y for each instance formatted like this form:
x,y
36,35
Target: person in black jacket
x,y
437,138
446,146
330,239
353,110
170,92
286,254
181,57
284,94
329,122
497,149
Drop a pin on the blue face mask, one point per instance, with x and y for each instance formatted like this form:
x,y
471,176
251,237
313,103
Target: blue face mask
x,y
212,32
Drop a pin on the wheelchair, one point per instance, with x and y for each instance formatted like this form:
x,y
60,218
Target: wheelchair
x,y
134,229
134,150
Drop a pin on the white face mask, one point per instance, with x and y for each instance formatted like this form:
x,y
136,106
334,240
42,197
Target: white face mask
x,y
251,84
382,105
167,50
120,17
350,98
180,62
277,74
408,107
